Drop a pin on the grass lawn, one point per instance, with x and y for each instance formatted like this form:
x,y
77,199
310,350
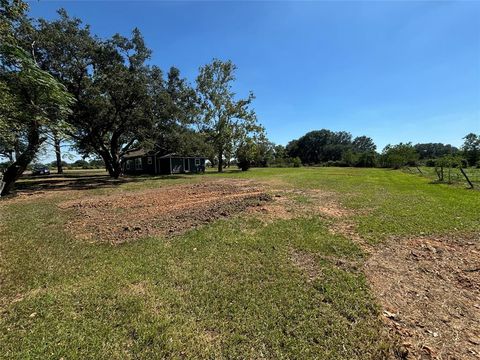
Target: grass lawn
x,y
226,290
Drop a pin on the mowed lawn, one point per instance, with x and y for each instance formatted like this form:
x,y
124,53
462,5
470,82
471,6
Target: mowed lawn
x,y
226,290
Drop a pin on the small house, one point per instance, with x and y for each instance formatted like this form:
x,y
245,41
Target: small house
x,y
137,162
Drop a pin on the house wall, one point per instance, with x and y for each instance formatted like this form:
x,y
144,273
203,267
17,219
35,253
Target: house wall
x,y
195,165
147,166
163,165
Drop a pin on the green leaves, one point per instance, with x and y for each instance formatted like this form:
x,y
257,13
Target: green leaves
x,y
399,155
471,149
32,101
228,121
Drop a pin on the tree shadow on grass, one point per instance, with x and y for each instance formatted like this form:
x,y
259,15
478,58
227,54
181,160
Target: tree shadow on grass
x,y
31,184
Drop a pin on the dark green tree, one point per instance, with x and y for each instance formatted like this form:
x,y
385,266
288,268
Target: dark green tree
x,y
175,110
434,150
320,146
363,144
471,148
31,102
109,79
246,154
396,156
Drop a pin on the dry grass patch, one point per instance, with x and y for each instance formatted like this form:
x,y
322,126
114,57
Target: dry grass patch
x,y
305,262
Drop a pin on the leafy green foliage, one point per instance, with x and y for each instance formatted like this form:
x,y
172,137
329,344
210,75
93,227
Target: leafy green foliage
x,y
226,121
396,156
246,153
32,100
471,148
363,144
434,150
109,80
323,146
175,107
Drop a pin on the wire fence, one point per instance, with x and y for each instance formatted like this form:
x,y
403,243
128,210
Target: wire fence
x,y
450,175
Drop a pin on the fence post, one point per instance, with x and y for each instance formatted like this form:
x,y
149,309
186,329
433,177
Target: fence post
x,y
466,177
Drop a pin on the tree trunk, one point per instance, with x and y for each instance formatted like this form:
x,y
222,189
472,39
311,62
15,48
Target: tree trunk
x,y
112,163
220,160
15,170
58,154
117,169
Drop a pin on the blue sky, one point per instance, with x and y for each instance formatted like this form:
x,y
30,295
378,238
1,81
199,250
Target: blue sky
x,y
395,71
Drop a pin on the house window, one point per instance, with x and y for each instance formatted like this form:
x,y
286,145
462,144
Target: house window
x,y
138,163
149,160
127,165
197,162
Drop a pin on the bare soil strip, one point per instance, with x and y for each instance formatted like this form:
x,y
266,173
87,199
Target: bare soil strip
x,y
430,290
167,211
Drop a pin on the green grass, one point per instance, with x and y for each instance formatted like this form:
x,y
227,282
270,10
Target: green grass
x,y
227,290
388,202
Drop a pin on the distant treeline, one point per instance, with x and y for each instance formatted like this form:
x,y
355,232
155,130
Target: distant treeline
x,y
330,148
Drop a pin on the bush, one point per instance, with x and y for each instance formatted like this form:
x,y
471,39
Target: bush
x,y
396,156
244,164
296,162
367,159
286,162
335,163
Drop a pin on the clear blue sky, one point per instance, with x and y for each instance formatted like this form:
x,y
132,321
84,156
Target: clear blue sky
x,y
396,71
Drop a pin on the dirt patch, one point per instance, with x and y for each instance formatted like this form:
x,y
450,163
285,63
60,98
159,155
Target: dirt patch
x,y
140,288
305,262
279,209
290,204
167,211
430,292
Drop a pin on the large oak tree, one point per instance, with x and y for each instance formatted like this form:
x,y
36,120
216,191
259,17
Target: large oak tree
x,y
109,80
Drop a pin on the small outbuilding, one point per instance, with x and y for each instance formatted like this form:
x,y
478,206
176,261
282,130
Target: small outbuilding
x,y
137,162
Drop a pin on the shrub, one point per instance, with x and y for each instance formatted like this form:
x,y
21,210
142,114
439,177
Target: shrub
x,y
335,163
396,156
296,162
244,164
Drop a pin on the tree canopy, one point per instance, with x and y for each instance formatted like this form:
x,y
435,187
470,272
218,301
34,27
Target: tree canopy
x,y
320,146
471,148
434,150
399,155
32,100
227,122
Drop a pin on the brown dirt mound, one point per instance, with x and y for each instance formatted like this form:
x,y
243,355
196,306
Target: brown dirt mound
x,y
167,211
430,292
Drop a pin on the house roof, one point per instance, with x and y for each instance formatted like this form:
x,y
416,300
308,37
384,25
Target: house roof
x,y
141,152
136,153
173,155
